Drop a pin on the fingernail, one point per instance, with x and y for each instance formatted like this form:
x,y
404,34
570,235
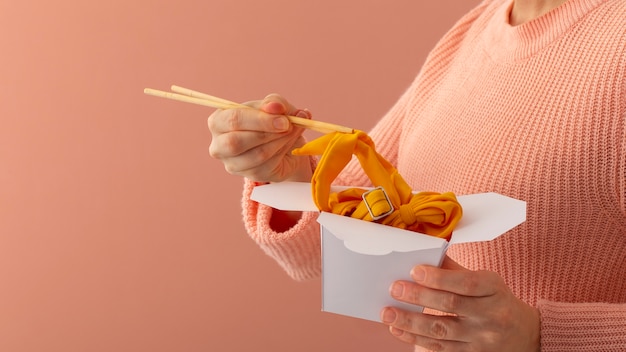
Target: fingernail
x,y
281,123
418,274
397,289
389,316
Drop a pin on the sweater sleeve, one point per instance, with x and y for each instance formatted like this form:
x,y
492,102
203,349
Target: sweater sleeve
x,y
620,173
587,327
578,327
386,140
297,250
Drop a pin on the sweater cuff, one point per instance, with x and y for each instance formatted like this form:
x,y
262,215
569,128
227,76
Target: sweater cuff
x,y
582,327
297,250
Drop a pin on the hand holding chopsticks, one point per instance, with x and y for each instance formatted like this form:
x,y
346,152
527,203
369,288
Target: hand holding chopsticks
x,y
190,96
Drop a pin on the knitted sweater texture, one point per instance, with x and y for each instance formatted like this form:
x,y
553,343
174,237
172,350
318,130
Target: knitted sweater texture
x,y
536,112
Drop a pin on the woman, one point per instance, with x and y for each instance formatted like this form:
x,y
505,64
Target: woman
x,y
526,98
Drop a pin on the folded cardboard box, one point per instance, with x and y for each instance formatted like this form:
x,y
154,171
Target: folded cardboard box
x,y
361,259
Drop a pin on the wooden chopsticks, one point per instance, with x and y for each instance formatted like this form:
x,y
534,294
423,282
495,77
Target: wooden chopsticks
x,y
191,96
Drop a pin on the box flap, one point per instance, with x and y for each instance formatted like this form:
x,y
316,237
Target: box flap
x,y
287,195
485,215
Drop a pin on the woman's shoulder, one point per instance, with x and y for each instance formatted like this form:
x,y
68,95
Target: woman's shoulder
x,y
463,30
606,26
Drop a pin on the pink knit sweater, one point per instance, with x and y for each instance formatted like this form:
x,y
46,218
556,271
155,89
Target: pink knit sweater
x,y
536,112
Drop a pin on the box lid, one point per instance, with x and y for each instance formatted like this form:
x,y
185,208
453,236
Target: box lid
x,y
485,217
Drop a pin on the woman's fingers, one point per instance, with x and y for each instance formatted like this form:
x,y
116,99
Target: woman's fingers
x,y
256,142
224,121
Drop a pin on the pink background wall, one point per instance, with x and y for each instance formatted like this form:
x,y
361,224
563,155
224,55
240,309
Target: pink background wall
x,y
117,231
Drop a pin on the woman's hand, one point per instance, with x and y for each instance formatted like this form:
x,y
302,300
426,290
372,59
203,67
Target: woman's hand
x,y
483,313
257,144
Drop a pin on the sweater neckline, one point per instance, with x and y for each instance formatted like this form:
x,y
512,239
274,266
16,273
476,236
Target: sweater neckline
x,y
507,43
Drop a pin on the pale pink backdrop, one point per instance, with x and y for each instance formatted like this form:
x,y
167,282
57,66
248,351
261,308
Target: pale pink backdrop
x,y
117,231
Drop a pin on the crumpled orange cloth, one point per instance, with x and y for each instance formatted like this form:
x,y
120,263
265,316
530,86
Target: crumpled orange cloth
x,y
391,203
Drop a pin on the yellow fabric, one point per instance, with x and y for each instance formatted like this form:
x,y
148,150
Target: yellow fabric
x,y
425,212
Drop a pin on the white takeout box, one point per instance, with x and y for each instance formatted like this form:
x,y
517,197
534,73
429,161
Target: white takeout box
x,y
361,259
